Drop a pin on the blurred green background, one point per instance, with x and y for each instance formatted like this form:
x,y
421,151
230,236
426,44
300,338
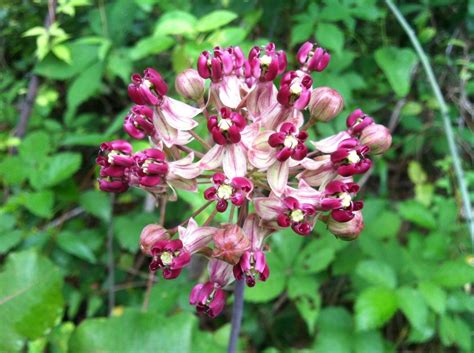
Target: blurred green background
x,y
404,286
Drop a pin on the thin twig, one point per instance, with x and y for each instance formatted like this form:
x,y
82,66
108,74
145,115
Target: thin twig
x,y
458,169
200,140
110,258
64,218
149,286
190,150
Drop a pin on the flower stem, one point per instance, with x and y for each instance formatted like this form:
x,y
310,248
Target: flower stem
x,y
237,311
149,286
110,259
458,170
200,140
238,307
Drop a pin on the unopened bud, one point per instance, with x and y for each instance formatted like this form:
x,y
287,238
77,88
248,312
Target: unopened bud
x,y
190,85
325,104
347,230
150,235
230,243
377,137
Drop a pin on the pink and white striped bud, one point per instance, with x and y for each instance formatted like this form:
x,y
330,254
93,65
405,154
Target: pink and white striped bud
x,y
377,137
347,230
230,242
325,104
190,84
150,235
312,57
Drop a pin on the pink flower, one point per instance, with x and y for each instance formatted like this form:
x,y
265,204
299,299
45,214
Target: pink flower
x,y
349,158
273,151
295,90
209,298
349,230
150,235
148,89
338,198
312,57
225,190
231,135
357,121
268,66
151,167
190,85
287,212
173,255
115,160
139,122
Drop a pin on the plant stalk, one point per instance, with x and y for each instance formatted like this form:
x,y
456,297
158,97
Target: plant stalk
x,y
458,170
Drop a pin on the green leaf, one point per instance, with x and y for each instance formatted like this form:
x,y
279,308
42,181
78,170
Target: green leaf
x,y
413,305
60,167
35,146
150,46
385,225
368,342
397,64
13,170
96,203
128,229
83,87
139,332
63,53
175,22
72,243
330,36
374,307
31,299
214,20
415,212
452,274
273,287
315,257
435,296
453,330
227,36
309,308
39,203
377,273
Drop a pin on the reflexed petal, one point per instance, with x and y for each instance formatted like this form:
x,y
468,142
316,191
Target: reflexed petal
x,y
229,92
167,133
269,207
277,176
235,161
330,144
213,158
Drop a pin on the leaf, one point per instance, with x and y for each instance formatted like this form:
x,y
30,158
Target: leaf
x,y
330,36
83,55
60,167
96,203
39,203
63,53
150,46
374,307
309,308
397,64
315,257
434,296
385,225
139,332
413,305
452,274
31,299
453,330
377,273
13,170
83,87
128,229
175,22
227,36
214,20
415,212
72,243
35,146
368,342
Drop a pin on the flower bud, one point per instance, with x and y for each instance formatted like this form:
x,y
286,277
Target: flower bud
x,y
190,85
377,137
230,243
325,104
347,230
150,235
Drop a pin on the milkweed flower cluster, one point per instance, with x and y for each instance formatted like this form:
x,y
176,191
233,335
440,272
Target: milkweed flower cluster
x,y
257,158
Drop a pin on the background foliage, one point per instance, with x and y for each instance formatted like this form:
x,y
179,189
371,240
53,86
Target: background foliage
x,y
404,285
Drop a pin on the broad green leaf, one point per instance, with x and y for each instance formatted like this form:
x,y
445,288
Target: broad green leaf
x,y
368,342
31,299
128,229
309,308
97,203
397,64
413,305
415,212
39,203
377,273
83,87
374,307
175,22
453,274
227,36
330,36
302,285
60,167
273,286
35,146
62,53
453,330
287,245
72,243
315,257
214,20
82,56
150,46
9,239
134,332
59,338
434,296
13,170
334,318
385,225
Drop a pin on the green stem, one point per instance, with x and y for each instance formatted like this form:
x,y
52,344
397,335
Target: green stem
x,y
458,170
